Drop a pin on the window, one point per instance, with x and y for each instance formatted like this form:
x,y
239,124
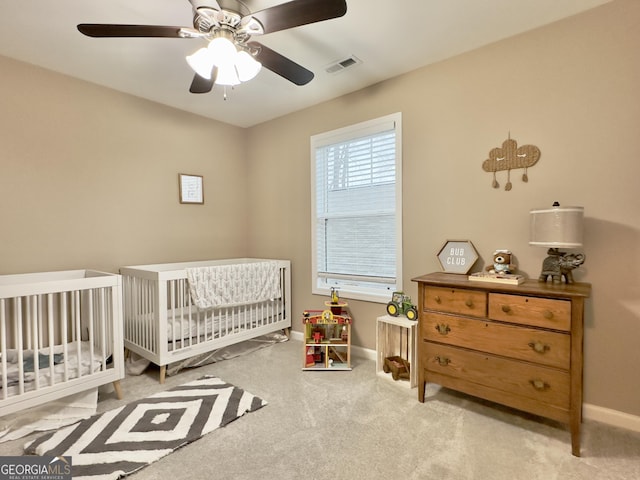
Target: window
x,y
357,210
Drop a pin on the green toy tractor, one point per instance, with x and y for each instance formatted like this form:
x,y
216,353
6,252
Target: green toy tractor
x,y
401,304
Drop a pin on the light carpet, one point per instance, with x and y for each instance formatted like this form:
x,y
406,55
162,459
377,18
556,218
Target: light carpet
x,y
121,441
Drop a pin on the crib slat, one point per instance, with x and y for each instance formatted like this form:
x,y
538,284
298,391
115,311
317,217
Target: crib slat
x,y
150,309
102,317
146,302
32,322
173,321
78,330
91,312
27,325
139,303
18,322
42,319
3,347
65,338
181,315
144,306
50,337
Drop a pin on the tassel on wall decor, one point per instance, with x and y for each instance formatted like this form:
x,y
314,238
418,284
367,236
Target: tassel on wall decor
x,y
509,157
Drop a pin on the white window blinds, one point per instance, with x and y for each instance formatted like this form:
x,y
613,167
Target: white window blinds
x,y
356,207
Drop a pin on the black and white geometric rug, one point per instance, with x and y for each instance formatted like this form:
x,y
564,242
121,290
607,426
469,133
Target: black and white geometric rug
x,y
119,442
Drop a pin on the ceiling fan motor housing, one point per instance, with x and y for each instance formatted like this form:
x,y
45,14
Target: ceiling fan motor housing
x,y
210,17
235,6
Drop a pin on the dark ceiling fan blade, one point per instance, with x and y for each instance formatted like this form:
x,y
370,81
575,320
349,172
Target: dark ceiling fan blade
x,y
202,85
299,12
114,30
281,65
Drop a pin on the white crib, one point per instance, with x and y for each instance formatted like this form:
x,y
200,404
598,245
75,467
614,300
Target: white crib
x,y
60,334
163,325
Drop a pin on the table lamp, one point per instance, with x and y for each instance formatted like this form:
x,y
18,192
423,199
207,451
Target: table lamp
x,y
557,227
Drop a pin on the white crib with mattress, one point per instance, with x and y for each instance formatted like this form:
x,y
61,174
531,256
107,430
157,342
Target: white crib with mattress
x,y
60,334
164,324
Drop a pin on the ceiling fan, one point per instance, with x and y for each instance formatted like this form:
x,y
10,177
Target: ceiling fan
x,y
231,55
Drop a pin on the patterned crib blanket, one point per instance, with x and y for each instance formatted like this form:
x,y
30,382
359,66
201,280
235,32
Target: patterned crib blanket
x,y
234,284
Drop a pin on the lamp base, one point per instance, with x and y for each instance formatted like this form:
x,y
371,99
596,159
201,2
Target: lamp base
x,y
560,265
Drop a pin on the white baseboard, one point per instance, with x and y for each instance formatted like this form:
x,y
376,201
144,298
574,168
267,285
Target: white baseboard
x,y
295,335
589,412
365,353
611,417
356,351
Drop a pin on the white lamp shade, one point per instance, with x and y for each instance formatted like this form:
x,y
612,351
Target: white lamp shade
x,y
247,66
227,75
201,62
223,51
557,227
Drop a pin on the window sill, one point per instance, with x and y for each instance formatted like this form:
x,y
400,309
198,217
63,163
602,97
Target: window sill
x,y
382,297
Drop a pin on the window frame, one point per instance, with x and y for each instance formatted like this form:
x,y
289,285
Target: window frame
x,y
353,289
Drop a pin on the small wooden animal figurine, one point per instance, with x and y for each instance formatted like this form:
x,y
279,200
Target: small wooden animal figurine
x,y
560,265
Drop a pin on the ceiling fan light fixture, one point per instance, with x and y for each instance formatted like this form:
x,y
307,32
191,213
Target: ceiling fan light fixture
x,y
202,62
246,66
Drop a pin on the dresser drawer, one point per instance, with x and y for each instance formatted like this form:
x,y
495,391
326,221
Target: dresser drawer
x,y
530,344
455,300
513,377
539,312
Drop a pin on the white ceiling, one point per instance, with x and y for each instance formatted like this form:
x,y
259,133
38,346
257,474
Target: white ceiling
x,y
391,37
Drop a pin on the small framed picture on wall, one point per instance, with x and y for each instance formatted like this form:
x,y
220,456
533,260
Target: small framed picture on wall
x,y
190,188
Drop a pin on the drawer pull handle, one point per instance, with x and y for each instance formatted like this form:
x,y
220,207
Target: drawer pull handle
x,y
547,314
443,361
506,308
540,385
437,299
469,303
539,347
443,328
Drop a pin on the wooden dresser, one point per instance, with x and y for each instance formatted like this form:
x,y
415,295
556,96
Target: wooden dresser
x,y
518,345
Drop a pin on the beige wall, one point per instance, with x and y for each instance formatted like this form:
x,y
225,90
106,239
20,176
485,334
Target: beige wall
x,y
572,90
89,177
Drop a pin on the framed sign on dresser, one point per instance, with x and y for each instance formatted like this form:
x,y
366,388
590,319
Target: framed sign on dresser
x,y
517,345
